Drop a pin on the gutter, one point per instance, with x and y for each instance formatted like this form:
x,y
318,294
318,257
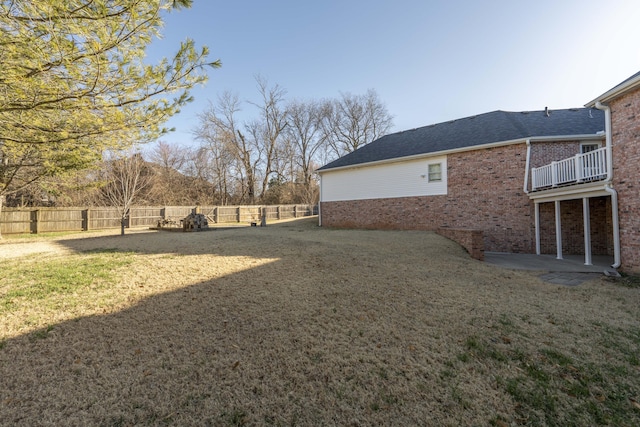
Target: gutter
x,y
608,184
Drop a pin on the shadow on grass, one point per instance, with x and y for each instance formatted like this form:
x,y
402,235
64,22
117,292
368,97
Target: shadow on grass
x,y
286,342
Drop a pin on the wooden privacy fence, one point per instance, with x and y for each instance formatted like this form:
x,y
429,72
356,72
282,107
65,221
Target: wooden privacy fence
x,y
43,220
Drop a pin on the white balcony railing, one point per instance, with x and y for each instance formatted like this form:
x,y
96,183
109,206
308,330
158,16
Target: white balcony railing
x,y
591,166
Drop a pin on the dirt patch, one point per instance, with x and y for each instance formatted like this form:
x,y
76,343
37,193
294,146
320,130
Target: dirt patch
x,y
293,324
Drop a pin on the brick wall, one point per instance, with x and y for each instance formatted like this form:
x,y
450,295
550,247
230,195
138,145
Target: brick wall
x,y
471,240
573,227
484,193
543,153
625,129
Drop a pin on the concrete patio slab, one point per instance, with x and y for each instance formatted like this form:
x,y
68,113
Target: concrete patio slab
x,y
569,271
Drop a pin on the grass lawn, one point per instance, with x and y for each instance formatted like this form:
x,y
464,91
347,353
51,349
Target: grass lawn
x,y
293,324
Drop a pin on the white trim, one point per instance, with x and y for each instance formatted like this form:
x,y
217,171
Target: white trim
x,y
429,173
578,191
583,137
587,231
583,144
558,230
615,92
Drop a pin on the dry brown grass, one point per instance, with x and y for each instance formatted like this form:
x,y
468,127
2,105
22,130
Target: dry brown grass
x,y
293,324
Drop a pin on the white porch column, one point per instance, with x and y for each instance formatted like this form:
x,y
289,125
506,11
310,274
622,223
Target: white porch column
x,y
537,221
558,231
587,231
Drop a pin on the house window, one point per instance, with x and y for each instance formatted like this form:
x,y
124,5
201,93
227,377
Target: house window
x,y
435,172
587,147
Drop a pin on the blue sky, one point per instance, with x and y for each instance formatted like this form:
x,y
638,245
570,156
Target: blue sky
x,y
429,61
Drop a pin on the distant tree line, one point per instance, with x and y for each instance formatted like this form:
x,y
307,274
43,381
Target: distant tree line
x,y
268,159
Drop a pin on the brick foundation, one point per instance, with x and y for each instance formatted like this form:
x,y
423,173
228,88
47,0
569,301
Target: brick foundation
x,y
471,240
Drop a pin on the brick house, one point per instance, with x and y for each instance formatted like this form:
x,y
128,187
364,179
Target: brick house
x,y
550,181
622,107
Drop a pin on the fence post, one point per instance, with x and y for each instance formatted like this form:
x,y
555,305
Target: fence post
x,y
36,220
86,219
163,213
238,213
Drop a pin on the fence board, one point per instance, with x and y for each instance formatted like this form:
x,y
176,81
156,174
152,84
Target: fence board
x,y
103,218
145,216
40,220
15,221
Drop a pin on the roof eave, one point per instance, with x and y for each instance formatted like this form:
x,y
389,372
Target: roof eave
x,y
582,137
615,92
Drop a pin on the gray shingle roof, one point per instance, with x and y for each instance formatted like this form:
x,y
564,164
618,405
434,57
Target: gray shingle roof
x,y
497,126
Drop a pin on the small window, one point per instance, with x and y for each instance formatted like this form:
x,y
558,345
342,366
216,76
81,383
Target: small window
x,y
585,148
435,172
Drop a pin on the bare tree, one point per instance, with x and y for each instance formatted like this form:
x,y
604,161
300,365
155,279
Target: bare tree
x,y
168,183
220,130
168,156
215,163
202,185
278,151
307,140
125,177
266,131
355,120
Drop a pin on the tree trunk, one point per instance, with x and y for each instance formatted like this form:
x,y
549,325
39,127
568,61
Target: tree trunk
x,y
251,185
1,202
123,221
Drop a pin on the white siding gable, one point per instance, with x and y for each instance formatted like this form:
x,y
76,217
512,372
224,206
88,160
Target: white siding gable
x,y
400,179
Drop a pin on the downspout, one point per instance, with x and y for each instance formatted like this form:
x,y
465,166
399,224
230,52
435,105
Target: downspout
x,y
320,203
525,188
616,225
608,138
608,184
526,167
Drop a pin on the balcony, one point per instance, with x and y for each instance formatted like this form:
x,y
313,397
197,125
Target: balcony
x,y
587,167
